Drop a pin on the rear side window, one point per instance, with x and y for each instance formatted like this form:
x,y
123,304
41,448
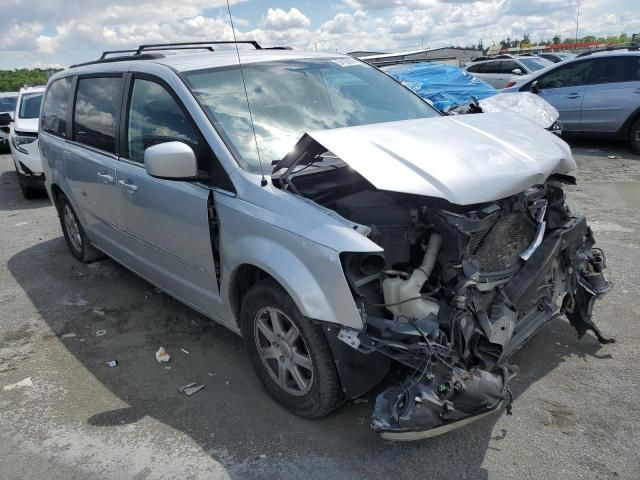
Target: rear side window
x,y
95,112
475,68
616,69
54,113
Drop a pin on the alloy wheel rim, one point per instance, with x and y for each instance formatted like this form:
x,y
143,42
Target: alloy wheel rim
x,y
73,231
283,351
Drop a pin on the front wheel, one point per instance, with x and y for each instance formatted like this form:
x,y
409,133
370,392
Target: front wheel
x,y
289,353
634,136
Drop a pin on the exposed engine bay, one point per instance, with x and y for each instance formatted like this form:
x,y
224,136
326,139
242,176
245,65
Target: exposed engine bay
x,y
457,290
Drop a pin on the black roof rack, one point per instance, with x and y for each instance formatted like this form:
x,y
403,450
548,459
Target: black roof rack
x,y
149,52
106,53
631,46
194,45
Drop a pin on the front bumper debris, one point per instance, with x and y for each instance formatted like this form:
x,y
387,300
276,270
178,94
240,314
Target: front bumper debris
x,y
427,409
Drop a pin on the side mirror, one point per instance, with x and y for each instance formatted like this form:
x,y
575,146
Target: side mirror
x,y
516,71
535,88
171,160
5,119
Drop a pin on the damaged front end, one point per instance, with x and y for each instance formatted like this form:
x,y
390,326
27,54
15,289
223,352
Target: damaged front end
x,y
489,279
457,290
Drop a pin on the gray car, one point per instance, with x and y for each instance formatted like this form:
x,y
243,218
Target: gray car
x,y
595,93
497,71
329,215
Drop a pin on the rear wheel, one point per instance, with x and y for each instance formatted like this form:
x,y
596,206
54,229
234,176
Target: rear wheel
x,y
289,353
634,136
77,241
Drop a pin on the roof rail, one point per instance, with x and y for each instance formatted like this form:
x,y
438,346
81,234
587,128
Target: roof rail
x,y
125,58
193,45
630,47
492,57
106,53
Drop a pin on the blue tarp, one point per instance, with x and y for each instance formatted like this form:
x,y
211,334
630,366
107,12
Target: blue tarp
x,y
444,85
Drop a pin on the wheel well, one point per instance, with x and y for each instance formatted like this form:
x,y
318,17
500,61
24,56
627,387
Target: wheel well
x,y
56,192
626,127
245,277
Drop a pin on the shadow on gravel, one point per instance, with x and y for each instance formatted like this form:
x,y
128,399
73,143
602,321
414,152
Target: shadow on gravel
x,y
11,198
233,419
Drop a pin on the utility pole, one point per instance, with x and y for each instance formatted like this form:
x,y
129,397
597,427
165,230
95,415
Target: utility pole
x,y
577,22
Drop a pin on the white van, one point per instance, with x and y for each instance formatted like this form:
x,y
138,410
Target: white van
x,y
23,141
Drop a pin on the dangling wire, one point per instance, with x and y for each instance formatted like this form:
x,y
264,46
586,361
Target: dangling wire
x,y
263,182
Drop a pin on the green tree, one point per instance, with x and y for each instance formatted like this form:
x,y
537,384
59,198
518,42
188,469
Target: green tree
x,y
14,80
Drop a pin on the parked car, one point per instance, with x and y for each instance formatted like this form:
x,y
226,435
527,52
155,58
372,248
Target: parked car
x,y
595,93
557,57
340,225
7,107
23,141
453,90
497,71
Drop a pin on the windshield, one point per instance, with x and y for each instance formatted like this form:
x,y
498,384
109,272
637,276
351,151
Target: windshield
x,y
535,63
289,98
8,104
30,105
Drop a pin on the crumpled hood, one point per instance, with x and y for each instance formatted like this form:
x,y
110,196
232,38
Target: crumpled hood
x,y
527,104
463,159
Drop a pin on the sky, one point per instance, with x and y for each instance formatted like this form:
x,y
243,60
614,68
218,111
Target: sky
x,y
40,33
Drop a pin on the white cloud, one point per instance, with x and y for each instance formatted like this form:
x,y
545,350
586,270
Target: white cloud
x,y
277,19
69,31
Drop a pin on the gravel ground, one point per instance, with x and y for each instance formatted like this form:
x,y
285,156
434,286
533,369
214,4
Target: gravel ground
x,y
65,414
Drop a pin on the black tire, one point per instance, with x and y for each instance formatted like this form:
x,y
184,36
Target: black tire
x,y
80,248
28,192
325,393
634,136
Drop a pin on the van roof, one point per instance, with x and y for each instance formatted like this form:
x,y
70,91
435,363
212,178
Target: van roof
x,y
191,58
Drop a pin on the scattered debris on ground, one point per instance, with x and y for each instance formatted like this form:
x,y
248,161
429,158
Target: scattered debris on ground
x,y
184,351
162,355
100,333
190,388
74,301
112,363
22,383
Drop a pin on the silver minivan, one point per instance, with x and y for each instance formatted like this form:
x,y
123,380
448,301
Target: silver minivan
x,y
326,213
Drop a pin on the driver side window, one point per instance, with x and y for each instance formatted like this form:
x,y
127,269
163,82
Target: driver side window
x,y
155,117
571,75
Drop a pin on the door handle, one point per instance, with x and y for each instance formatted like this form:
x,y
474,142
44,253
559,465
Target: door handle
x,y
128,185
106,178
574,95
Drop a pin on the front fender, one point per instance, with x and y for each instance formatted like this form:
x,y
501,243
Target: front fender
x,y
311,273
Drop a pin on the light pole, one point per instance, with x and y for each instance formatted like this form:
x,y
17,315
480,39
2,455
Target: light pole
x,y
577,23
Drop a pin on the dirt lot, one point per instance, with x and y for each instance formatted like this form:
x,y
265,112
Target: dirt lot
x,y
65,414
